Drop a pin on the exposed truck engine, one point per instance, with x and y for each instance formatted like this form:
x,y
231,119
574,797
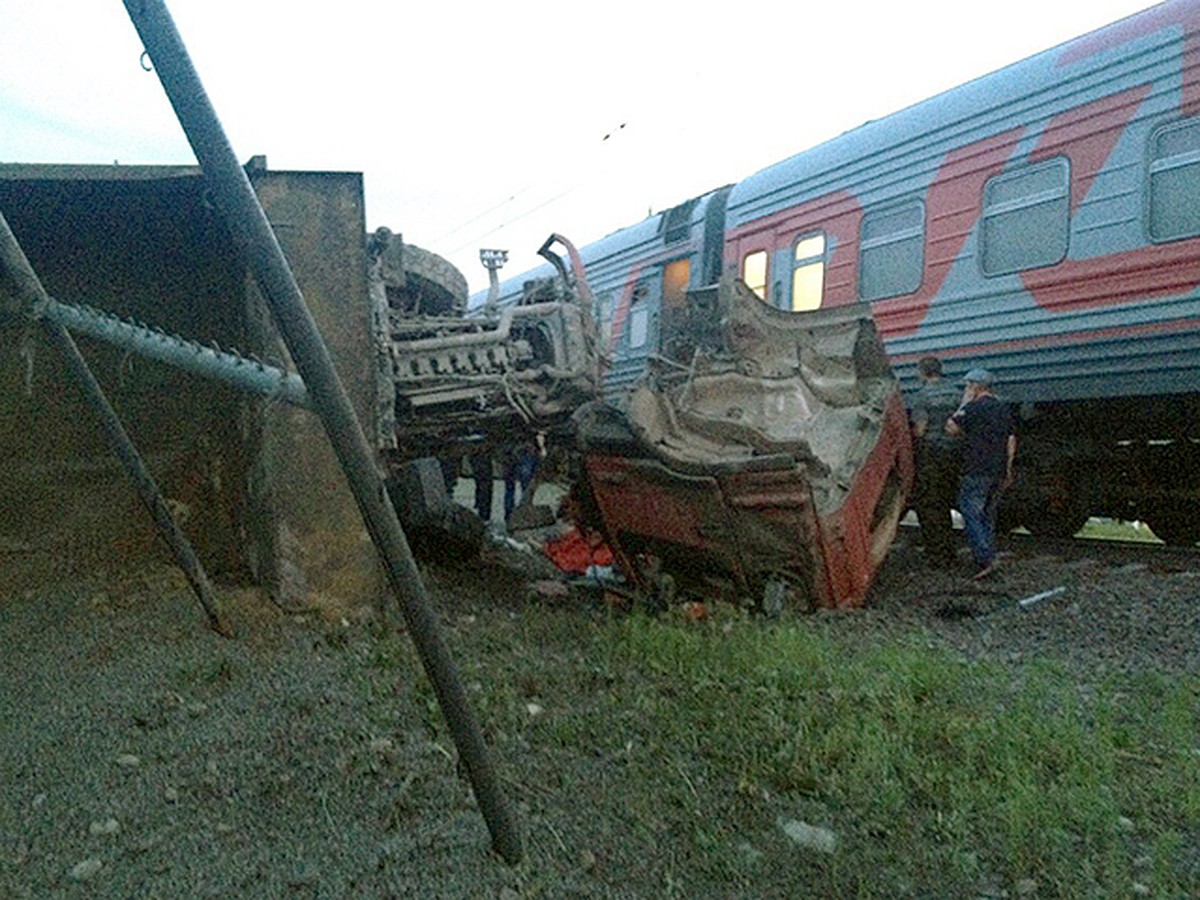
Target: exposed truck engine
x,y
450,382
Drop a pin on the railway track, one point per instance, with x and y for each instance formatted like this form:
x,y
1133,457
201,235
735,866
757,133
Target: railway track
x,y
1154,554
1094,606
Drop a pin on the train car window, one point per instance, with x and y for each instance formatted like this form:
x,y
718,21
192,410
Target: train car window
x,y
676,275
1026,218
1175,182
892,251
754,272
808,272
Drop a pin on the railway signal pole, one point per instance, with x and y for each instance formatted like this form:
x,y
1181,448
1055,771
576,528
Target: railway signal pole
x,y
493,260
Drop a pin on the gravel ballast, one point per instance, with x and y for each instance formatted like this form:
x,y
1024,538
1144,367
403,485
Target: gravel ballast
x,y
143,755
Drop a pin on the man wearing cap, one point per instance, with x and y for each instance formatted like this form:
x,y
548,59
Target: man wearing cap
x,y
938,458
984,424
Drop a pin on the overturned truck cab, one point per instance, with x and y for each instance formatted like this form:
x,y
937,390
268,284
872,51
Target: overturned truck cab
x,y
766,456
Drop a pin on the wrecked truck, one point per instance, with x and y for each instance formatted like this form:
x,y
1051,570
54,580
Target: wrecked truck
x,y
768,458
452,386
763,454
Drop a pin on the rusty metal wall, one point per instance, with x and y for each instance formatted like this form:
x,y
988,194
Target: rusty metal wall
x,y
255,486
150,249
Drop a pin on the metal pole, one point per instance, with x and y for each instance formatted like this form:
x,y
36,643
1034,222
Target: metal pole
x,y
31,293
248,224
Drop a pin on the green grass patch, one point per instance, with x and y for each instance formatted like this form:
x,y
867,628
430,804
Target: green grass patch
x,y
675,752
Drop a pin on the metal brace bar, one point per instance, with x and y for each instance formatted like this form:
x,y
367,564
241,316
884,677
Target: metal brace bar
x,y
208,362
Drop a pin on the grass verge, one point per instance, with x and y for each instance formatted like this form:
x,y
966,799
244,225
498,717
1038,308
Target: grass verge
x,y
672,756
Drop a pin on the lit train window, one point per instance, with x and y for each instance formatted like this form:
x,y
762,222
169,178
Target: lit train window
x,y
893,251
754,272
808,273
676,275
1175,182
1026,218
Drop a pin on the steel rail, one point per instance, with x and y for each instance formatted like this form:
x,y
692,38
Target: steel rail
x,y
244,216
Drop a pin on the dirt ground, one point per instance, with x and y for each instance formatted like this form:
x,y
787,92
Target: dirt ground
x,y
142,755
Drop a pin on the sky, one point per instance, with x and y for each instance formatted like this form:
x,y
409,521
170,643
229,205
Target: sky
x,y
493,124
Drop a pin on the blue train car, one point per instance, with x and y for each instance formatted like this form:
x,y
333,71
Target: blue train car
x,y
1042,221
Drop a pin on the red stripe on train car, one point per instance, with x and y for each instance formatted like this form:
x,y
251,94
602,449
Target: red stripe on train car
x,y
953,205
1184,15
1050,340
1088,134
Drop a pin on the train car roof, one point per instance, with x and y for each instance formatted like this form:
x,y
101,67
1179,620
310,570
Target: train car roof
x,y
623,240
936,125
1007,97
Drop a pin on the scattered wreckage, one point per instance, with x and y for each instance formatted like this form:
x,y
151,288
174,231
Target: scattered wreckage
x,y
764,455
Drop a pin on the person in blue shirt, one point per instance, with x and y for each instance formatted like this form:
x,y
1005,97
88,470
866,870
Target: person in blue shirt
x,y
985,425
520,466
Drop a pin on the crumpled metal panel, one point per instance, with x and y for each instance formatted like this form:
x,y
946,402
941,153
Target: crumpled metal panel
x,y
773,450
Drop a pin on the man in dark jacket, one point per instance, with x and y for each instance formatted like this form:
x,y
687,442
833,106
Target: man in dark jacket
x,y
989,446
938,458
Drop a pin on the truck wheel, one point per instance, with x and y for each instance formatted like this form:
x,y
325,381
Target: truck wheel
x,y
435,283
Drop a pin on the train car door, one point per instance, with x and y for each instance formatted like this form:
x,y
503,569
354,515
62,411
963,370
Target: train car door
x,y
641,331
635,329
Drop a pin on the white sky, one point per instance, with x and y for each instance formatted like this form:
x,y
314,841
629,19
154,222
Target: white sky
x,y
484,124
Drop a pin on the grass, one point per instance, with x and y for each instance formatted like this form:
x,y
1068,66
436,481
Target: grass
x,y
674,752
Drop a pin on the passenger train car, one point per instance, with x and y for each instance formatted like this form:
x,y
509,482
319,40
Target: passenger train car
x,y
1042,221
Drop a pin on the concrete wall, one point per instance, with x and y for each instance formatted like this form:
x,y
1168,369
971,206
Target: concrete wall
x,y
323,552
257,489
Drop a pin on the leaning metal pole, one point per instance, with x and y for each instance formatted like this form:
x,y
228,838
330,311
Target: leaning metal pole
x,y
248,224
32,295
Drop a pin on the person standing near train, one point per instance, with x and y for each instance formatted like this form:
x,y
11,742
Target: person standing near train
x,y
985,425
520,465
938,459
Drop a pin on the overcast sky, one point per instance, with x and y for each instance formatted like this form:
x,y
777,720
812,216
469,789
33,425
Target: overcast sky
x,y
493,124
